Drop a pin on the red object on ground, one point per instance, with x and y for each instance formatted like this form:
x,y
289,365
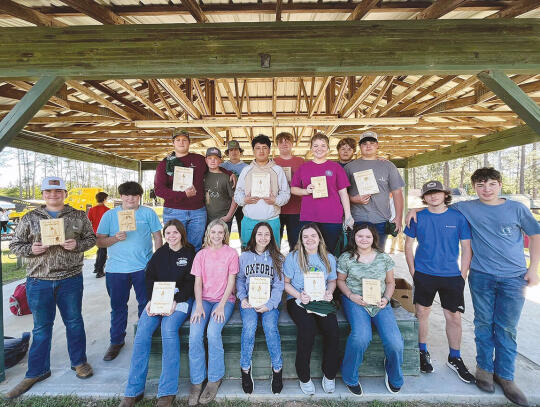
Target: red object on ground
x,y
18,304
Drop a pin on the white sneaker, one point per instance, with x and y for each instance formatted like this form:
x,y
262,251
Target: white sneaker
x,y
329,386
308,387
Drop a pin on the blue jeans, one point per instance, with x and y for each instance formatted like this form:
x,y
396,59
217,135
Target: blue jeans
x,y
380,227
249,224
292,222
170,357
193,220
360,338
43,298
216,354
497,303
330,232
119,286
269,320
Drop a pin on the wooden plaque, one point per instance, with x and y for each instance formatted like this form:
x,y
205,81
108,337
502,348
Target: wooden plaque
x,y
366,182
182,179
315,285
52,231
288,173
371,291
259,291
126,220
321,189
162,297
260,184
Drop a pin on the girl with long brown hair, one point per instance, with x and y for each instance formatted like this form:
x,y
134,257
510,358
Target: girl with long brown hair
x,y
259,286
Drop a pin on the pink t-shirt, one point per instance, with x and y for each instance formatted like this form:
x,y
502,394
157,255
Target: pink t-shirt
x,y
214,267
323,210
293,206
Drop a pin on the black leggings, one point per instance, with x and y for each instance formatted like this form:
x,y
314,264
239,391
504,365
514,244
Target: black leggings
x,y
306,325
3,226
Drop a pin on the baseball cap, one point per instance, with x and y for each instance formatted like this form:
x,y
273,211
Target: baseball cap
x,y
233,144
53,183
433,186
179,132
213,151
368,135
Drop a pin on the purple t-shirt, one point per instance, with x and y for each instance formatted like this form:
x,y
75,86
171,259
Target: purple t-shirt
x,y
323,210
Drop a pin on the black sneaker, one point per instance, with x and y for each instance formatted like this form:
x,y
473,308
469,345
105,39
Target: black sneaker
x,y
391,388
425,362
277,381
247,381
356,389
457,365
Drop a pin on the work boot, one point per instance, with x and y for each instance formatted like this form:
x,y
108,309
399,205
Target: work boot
x,y
484,380
511,391
210,392
165,401
100,274
112,352
194,394
25,385
130,401
83,371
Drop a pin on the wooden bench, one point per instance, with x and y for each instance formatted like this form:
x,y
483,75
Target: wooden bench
x,y
373,358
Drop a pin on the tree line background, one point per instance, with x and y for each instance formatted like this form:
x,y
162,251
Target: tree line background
x,y
519,166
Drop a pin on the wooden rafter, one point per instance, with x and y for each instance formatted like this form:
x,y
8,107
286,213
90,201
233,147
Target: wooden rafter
x,y
195,10
320,96
368,85
137,110
96,11
157,89
98,98
231,97
517,9
439,9
29,14
139,96
456,89
382,92
441,82
201,97
398,98
362,9
278,9
180,97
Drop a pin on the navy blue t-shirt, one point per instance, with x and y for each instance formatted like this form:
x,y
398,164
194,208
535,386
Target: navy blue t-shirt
x,y
438,236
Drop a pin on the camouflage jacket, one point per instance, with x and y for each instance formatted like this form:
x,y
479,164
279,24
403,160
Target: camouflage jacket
x,y
56,263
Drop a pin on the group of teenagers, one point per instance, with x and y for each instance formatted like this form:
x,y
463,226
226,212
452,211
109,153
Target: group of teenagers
x,y
210,276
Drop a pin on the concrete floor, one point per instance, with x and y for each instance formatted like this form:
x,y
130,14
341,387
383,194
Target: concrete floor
x,y
110,378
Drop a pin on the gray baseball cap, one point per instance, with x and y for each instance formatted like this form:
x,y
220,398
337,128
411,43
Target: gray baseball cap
x,y
368,135
433,186
213,151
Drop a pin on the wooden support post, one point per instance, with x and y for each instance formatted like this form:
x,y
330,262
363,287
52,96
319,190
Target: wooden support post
x,y
140,173
27,107
511,94
405,192
516,136
2,365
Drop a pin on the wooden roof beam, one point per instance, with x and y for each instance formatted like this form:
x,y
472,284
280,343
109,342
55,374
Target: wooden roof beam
x,y
195,10
27,107
154,84
439,9
98,98
517,9
139,96
231,97
398,98
180,97
362,9
129,51
137,110
320,96
96,11
508,91
28,14
369,84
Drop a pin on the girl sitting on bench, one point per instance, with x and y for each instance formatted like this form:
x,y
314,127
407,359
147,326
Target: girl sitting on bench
x,y
259,287
362,263
215,268
171,262
310,274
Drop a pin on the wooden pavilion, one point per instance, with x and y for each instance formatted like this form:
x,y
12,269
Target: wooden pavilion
x,y
106,81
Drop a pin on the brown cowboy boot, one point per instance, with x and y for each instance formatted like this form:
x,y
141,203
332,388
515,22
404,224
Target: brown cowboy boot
x,y
165,401
512,391
25,385
210,392
130,401
484,380
194,394
83,371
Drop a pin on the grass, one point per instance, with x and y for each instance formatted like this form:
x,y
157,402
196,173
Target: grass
x,y
10,271
70,401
